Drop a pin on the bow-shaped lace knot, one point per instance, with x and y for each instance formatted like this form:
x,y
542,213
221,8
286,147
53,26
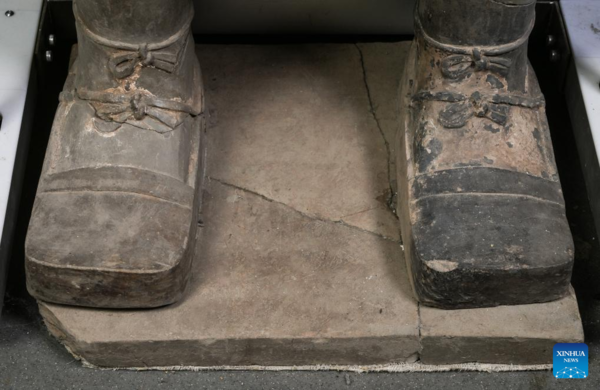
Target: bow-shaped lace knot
x,y
456,115
459,66
122,65
138,110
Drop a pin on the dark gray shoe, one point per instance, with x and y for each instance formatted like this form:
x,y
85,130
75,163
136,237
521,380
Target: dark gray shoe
x,y
482,211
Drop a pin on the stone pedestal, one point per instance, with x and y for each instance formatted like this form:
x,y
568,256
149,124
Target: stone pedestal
x,y
299,258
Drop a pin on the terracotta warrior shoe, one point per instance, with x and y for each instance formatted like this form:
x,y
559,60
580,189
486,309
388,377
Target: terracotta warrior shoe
x,y
482,211
114,222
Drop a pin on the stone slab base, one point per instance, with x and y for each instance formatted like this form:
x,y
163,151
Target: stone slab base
x,y
299,259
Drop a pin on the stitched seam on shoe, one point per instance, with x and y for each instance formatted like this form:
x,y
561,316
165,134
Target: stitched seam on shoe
x,y
477,168
99,269
499,194
65,191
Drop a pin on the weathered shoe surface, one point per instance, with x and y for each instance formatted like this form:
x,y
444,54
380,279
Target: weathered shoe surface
x,y
114,222
482,212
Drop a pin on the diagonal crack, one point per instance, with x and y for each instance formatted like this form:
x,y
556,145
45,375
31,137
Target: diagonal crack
x,y
357,213
390,201
312,217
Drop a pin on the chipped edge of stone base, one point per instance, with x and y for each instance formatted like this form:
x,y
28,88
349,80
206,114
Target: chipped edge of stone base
x,y
55,331
383,368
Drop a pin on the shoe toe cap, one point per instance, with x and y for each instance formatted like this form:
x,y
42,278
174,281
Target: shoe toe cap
x,y
490,249
88,247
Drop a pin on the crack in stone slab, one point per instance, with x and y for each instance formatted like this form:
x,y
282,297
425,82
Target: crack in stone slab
x,y
312,217
358,213
377,122
419,336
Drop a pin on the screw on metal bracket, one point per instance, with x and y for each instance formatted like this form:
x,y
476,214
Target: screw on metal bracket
x,y
9,13
51,40
48,55
554,56
550,40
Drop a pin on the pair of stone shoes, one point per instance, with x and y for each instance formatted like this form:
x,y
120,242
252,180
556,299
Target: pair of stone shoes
x,y
482,213
115,217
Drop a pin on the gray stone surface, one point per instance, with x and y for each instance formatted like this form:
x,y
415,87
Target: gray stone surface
x,y
282,274
522,334
295,124
384,65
